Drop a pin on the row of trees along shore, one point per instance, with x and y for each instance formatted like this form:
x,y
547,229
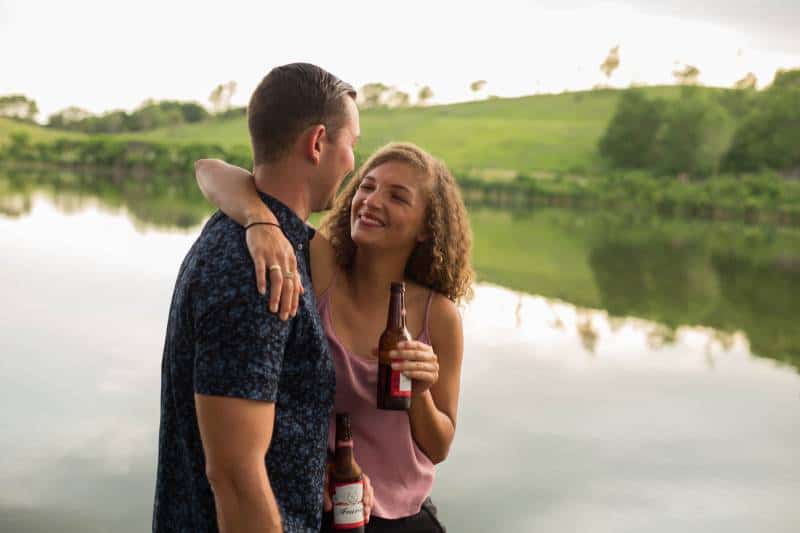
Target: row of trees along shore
x,y
704,133
710,152
756,196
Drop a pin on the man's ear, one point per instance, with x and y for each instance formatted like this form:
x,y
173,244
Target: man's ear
x,y
314,143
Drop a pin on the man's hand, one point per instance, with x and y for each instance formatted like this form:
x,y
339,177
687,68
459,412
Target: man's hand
x,y
269,248
327,503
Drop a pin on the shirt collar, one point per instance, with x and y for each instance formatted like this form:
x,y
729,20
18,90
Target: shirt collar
x,y
292,225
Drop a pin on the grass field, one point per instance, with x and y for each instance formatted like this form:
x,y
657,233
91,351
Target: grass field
x,y
36,133
497,137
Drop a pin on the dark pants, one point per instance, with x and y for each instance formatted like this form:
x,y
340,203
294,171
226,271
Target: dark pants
x,y
425,521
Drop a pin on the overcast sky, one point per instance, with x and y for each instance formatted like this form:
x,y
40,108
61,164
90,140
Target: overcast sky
x,y
107,54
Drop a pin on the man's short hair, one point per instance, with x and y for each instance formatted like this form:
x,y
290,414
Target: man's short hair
x,y
290,99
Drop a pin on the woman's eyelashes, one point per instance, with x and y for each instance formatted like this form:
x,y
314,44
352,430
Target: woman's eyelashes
x,y
369,187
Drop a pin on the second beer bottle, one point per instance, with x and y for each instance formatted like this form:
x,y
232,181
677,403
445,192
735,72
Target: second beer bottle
x,y
347,481
394,388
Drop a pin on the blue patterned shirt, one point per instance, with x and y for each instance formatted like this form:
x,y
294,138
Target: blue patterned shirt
x,y
222,340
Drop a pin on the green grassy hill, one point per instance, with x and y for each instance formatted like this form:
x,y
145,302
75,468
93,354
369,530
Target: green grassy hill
x,y
501,136
496,137
36,133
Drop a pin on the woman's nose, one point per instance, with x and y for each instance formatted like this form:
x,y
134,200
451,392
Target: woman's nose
x,y
373,200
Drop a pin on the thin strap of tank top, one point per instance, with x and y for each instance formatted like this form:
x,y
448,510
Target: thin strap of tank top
x,y
323,299
426,331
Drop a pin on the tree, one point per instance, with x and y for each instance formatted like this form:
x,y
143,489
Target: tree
x,y
68,118
476,86
397,98
193,112
424,94
372,94
220,97
769,135
611,62
786,78
629,139
230,90
216,98
748,82
111,122
694,133
688,75
18,106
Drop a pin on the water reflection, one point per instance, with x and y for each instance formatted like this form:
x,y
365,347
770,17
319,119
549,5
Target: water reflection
x,y
583,408
723,275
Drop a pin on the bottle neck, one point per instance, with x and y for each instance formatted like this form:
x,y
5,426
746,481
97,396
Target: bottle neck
x,y
397,311
343,454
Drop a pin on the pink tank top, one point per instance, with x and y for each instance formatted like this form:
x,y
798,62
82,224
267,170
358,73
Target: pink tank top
x,y
401,474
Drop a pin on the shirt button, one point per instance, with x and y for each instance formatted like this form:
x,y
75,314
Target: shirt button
x,y
300,246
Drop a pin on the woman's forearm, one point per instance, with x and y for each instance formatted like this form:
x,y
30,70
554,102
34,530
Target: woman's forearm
x,y
432,429
232,190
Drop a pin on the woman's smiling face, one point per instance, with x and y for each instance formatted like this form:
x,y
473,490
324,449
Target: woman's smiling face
x,y
389,207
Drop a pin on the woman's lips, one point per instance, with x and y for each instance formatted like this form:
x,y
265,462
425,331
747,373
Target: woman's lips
x,y
370,221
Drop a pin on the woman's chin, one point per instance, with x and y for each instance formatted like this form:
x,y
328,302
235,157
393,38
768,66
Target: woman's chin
x,y
360,240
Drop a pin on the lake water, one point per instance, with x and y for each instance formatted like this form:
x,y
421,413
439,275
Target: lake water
x,y
621,373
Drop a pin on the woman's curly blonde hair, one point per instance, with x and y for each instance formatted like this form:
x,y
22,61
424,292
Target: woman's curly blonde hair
x,y
442,261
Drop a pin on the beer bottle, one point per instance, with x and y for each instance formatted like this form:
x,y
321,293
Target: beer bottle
x,y
394,388
347,481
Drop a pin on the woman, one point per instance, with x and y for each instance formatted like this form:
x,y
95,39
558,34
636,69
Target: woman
x,y
400,218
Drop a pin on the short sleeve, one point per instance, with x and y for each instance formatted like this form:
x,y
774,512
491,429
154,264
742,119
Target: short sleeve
x,y
239,347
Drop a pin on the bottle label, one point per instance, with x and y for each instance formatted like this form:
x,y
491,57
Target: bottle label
x,y
348,507
401,384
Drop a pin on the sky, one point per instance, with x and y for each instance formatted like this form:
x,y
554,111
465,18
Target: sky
x,y
103,55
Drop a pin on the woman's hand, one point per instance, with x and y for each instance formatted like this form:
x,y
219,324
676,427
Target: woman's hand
x,y
327,502
232,190
268,246
419,363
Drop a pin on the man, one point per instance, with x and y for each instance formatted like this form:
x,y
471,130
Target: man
x,y
238,383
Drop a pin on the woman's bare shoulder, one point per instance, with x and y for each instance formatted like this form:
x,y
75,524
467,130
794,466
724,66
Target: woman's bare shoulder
x,y
444,314
323,263
446,329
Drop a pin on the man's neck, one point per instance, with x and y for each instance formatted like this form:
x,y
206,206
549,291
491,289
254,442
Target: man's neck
x,y
286,185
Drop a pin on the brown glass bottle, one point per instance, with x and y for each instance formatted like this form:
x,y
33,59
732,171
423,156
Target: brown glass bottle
x,y
394,389
347,481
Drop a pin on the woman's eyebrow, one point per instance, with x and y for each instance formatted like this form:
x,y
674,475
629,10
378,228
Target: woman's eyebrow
x,y
401,187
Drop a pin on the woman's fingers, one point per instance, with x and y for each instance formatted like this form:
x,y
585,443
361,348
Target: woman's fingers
x,y
275,287
414,345
425,377
274,259
416,366
298,287
261,276
287,297
291,304
413,355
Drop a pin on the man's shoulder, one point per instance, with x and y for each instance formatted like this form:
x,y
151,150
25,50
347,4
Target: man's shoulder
x,y
220,244
219,263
